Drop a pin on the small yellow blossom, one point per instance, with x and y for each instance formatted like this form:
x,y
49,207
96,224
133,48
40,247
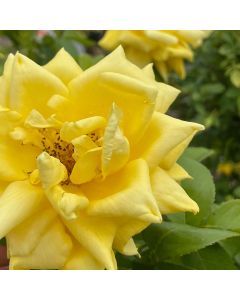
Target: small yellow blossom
x,y
87,160
167,49
228,168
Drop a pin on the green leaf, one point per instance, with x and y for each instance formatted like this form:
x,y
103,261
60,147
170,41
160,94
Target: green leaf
x,y
198,153
201,189
169,240
210,258
231,246
226,216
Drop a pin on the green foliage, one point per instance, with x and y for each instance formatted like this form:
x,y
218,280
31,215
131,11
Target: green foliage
x,y
211,96
201,188
41,46
226,216
170,240
209,258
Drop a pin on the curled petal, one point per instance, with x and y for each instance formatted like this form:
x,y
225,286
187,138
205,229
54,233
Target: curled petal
x,y
72,130
67,200
51,170
115,153
162,136
37,120
170,196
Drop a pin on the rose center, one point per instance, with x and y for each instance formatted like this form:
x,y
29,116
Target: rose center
x,y
52,143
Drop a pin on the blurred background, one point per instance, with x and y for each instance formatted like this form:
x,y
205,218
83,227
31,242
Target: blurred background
x,y
210,92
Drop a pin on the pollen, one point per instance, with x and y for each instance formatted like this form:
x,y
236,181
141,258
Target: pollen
x,y
52,143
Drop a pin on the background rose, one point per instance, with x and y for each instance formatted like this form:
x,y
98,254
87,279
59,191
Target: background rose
x,y
167,49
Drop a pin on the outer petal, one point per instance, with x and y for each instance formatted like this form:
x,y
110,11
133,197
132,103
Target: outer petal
x,y
114,79
163,135
63,66
173,155
148,70
51,252
96,235
126,193
23,239
27,78
170,196
81,259
166,95
18,202
123,242
178,173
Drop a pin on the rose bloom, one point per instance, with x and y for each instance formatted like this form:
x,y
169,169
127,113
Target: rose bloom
x,y
87,160
167,49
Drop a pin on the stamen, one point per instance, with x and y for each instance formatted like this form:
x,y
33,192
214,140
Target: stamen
x,y
55,146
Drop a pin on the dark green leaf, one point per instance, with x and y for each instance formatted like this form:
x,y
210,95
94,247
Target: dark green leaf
x,y
201,189
210,258
169,240
226,216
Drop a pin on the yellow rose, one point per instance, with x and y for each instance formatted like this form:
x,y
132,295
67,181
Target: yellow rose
x,y
87,160
167,49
